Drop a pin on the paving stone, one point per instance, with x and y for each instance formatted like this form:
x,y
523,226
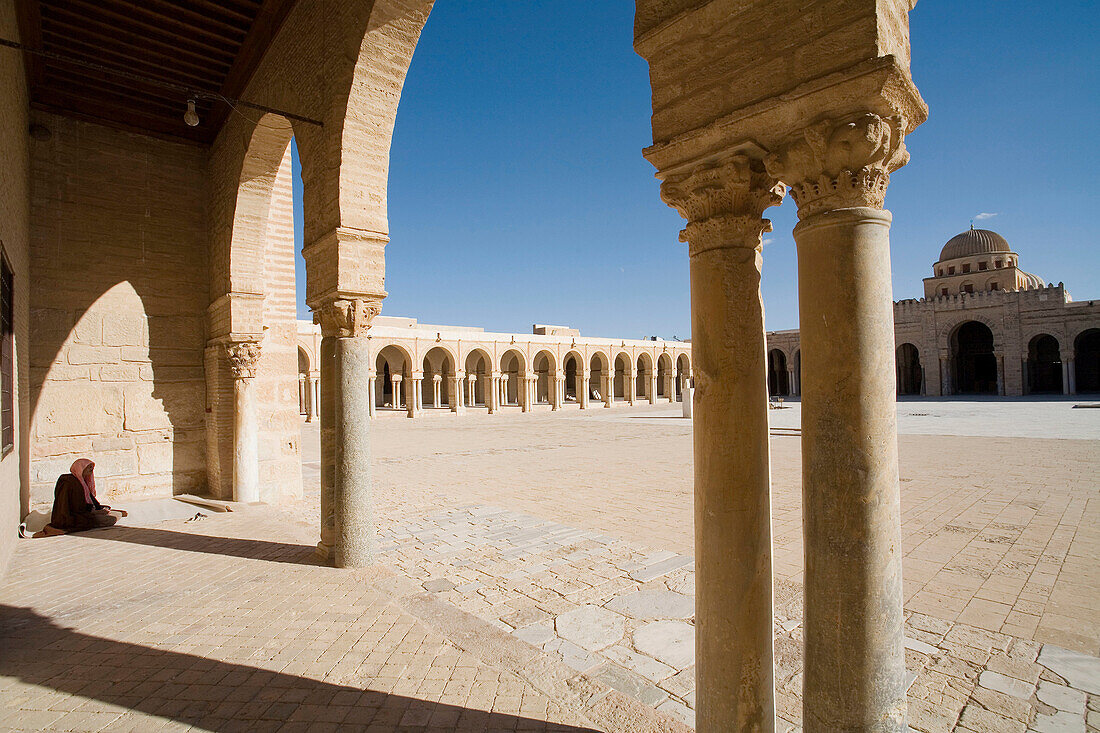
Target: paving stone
x,y
629,683
525,617
647,667
590,627
535,634
1080,670
438,585
920,646
1007,685
1062,698
671,642
654,604
678,710
652,572
1060,722
573,655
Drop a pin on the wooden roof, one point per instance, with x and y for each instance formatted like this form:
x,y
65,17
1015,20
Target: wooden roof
x,y
204,45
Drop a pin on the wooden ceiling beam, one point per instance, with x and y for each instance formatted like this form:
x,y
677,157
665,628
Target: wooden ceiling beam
x,y
182,73
208,19
79,25
29,21
160,27
65,31
271,17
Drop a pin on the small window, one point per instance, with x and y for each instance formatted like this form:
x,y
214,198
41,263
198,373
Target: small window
x,y
943,291
968,288
966,267
940,272
997,264
7,357
951,270
983,265
994,287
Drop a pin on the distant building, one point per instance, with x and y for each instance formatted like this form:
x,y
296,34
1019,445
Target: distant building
x,y
984,326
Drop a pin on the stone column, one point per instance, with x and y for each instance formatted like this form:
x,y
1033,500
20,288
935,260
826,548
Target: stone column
x,y
652,388
582,390
372,394
395,390
945,375
327,420
471,380
412,397
1071,370
437,390
629,386
311,406
1066,360
670,387
1000,373
556,384
723,203
790,382
492,392
609,393
838,170
532,390
353,511
458,398
244,358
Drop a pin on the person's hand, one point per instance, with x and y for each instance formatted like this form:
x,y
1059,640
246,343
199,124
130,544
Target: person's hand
x,y
122,512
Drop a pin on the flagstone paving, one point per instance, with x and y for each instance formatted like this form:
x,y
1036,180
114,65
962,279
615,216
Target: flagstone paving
x,y
536,573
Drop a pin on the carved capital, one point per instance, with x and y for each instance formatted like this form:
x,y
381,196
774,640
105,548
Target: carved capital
x,y
723,203
347,317
244,357
841,164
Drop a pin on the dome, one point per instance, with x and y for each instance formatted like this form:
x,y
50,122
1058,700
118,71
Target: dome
x,y
1033,281
974,242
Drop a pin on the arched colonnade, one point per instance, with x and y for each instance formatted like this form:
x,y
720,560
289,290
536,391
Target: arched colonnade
x,y
500,371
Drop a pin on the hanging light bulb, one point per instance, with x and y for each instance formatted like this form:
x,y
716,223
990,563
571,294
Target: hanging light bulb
x,y
191,117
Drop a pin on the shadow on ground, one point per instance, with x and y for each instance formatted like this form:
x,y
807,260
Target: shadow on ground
x,y
230,546
218,696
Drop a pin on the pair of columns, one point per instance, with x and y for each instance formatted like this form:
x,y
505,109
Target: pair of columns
x,y
309,391
854,675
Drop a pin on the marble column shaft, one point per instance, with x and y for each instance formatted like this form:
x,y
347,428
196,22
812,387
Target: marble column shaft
x,y
327,420
854,675
243,361
724,204
354,512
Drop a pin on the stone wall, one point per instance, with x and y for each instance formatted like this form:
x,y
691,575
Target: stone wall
x,y
119,295
14,240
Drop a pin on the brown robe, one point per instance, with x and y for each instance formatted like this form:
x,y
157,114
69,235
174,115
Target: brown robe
x,y
71,511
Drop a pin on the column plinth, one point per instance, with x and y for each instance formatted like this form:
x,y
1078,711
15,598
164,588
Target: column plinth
x,y
723,204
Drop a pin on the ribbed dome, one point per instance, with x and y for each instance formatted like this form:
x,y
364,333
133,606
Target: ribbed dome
x,y
973,242
1033,281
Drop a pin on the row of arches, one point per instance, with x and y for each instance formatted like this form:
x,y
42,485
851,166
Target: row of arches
x,y
973,365
440,379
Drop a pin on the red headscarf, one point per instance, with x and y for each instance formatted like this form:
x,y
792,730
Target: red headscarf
x,y
78,468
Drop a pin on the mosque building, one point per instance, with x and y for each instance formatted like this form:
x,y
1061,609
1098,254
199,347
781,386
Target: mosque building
x,y
984,326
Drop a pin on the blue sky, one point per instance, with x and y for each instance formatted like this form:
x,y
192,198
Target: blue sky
x,y
518,193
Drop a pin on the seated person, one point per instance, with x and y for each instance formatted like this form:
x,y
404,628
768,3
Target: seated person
x,y
75,506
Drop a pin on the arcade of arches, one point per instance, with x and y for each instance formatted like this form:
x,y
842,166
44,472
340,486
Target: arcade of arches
x,y
168,353
414,369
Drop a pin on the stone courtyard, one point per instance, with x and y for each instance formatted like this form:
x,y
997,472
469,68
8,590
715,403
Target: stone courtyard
x,y
536,573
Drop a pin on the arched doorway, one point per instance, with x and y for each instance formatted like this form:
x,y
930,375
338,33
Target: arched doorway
x,y
390,393
778,384
683,371
599,368
1086,360
974,362
664,372
544,369
910,375
572,372
622,377
645,375
438,363
477,366
1044,365
304,388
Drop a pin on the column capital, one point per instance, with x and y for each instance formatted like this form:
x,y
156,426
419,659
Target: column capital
x,y
437,378
346,317
396,377
244,358
723,203
841,163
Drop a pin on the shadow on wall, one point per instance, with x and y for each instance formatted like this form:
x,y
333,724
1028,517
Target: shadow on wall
x,y
212,695
118,306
